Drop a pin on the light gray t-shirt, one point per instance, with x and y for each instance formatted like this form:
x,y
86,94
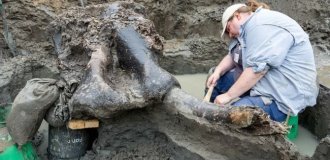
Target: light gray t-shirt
x,y
273,42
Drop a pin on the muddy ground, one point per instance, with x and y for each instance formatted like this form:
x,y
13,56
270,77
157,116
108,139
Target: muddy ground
x,y
190,29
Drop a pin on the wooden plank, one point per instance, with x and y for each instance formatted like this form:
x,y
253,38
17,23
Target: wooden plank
x,y
93,123
76,124
81,124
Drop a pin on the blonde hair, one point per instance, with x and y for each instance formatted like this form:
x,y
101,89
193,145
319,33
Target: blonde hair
x,y
254,5
251,6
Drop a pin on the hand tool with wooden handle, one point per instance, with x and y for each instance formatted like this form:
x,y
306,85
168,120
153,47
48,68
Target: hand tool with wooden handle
x,y
208,94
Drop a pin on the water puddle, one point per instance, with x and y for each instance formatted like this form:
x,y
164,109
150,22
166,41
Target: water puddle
x,y
322,61
306,142
323,75
193,84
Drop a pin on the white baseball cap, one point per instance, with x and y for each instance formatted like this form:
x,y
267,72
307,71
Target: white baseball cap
x,y
227,14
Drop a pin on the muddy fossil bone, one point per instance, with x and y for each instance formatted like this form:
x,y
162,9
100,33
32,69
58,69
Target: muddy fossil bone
x,y
97,97
245,119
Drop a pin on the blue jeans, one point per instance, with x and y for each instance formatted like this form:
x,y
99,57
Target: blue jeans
x,y
227,80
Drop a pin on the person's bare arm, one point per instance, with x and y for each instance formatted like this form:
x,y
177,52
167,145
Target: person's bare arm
x,y
244,83
225,65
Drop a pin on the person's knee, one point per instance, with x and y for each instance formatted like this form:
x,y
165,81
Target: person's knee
x,y
247,101
242,102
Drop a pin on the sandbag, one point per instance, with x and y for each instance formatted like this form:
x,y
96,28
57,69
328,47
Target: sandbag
x,y
29,108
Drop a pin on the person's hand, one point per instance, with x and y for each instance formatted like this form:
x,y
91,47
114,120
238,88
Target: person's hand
x,y
212,80
222,99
